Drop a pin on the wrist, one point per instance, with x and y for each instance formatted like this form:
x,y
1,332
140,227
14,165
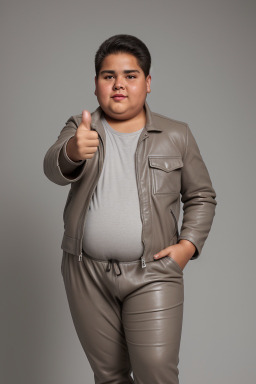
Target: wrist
x,y
70,150
189,247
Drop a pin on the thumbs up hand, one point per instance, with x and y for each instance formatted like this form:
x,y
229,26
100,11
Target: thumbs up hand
x,y
85,142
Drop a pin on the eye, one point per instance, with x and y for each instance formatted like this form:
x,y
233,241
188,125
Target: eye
x,y
131,77
108,77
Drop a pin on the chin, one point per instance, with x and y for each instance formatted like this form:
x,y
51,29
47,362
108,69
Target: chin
x,y
116,114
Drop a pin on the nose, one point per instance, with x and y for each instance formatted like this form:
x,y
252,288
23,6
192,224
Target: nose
x,y
118,84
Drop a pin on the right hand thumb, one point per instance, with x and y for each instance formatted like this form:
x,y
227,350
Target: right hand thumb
x,y
86,119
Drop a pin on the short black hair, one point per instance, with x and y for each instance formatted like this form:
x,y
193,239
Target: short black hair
x,y
126,44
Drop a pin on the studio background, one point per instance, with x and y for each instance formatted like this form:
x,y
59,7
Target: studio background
x,y
203,73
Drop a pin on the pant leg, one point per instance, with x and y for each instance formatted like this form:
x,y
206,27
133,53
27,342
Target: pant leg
x,y
134,318
152,318
96,313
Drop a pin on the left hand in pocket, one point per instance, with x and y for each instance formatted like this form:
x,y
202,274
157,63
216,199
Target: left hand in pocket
x,y
180,252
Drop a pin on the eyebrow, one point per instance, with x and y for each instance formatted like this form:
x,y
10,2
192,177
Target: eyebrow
x,y
125,71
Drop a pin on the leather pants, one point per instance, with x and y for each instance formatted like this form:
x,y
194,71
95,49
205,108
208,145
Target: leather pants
x,y
127,318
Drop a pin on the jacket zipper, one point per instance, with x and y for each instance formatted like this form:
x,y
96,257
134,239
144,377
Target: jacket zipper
x,y
176,224
143,261
81,243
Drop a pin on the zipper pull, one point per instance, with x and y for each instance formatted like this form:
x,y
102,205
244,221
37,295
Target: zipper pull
x,y
143,262
80,257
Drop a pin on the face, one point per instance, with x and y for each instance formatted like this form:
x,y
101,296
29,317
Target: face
x,y
121,87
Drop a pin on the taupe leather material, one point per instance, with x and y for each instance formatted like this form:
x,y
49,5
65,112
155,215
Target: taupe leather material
x,y
127,317
169,168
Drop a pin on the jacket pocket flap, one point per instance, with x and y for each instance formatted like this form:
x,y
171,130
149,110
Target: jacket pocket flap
x,y
166,163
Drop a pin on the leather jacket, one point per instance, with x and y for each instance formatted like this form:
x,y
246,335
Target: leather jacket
x,y
169,169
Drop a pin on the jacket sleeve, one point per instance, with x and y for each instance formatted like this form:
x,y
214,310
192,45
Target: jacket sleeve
x,y
58,168
198,196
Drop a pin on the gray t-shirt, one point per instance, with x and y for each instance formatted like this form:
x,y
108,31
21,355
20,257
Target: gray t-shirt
x,y
113,224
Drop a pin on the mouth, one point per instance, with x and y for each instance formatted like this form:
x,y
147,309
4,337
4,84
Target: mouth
x,y
118,97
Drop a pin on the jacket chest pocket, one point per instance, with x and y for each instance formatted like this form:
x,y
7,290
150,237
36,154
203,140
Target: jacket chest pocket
x,y
166,173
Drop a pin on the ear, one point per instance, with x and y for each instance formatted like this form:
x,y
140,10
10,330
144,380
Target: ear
x,y
95,81
148,83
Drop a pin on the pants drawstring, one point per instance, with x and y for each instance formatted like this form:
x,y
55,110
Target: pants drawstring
x,y
113,262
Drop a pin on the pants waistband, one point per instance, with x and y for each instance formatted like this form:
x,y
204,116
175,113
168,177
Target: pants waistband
x,y
141,260
114,263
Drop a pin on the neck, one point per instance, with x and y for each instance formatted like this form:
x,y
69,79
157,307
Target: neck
x,y
130,125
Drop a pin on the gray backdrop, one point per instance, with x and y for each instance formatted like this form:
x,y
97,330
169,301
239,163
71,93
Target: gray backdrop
x,y
203,73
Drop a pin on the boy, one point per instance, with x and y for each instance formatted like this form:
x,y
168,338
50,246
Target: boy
x,y
123,253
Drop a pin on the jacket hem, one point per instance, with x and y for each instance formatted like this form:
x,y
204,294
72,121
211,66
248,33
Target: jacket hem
x,y
71,245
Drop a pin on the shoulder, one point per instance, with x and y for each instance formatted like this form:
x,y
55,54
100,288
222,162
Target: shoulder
x,y
176,131
167,123
74,120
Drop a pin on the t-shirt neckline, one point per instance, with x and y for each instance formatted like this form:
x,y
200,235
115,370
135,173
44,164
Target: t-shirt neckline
x,y
115,132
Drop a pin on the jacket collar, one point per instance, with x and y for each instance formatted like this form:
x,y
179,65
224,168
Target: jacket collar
x,y
150,126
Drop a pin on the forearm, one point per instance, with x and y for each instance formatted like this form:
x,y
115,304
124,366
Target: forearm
x,y
198,197
57,166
